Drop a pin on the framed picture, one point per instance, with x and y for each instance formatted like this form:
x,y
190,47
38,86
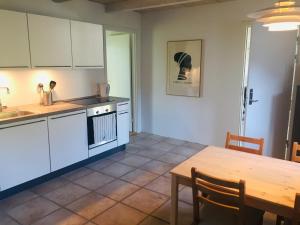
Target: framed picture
x,y
184,68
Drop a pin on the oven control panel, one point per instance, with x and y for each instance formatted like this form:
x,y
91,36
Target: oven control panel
x,y
101,110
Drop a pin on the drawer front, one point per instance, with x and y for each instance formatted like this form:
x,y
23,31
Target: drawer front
x,y
123,106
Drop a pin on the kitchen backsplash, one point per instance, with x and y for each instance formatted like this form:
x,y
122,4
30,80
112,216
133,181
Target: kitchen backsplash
x,y
70,84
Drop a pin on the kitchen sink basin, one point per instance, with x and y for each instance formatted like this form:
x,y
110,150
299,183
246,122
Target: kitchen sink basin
x,y
13,114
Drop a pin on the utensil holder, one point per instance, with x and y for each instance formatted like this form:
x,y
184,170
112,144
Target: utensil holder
x,y
47,98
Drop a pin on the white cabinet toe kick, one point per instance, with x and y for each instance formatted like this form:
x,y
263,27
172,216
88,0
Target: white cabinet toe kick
x,y
36,148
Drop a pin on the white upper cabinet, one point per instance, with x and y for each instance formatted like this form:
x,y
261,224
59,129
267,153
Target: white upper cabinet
x,y
50,41
87,44
14,44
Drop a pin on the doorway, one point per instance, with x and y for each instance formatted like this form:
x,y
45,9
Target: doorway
x,y
267,87
119,67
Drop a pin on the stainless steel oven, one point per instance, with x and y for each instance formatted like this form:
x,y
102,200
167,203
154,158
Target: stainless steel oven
x,y
102,125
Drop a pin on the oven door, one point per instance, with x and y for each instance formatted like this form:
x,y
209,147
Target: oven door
x,y
102,129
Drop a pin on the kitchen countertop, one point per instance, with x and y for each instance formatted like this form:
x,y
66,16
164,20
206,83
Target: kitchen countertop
x,y
112,100
57,108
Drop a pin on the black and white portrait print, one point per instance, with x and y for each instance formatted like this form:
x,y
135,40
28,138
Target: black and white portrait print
x,y
184,61
184,72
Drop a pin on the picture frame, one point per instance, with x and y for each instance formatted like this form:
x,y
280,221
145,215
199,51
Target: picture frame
x,y
184,59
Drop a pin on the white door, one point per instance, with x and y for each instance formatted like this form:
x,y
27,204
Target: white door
x,y
68,139
24,152
14,44
50,41
87,44
119,64
270,76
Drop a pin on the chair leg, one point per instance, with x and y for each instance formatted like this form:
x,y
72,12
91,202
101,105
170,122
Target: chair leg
x,y
196,213
261,220
240,220
279,220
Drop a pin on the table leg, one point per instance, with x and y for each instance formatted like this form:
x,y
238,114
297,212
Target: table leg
x,y
174,200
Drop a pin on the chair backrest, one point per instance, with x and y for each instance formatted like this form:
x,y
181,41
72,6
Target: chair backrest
x,y
296,152
296,215
221,193
255,141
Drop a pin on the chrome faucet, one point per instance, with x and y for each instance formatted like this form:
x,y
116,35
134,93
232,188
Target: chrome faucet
x,y
7,91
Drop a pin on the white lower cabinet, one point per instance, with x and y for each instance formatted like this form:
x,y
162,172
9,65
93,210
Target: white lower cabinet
x,y
123,120
68,139
24,152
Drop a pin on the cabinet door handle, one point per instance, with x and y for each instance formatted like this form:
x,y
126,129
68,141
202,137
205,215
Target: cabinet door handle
x,y
51,66
95,66
23,124
14,67
75,114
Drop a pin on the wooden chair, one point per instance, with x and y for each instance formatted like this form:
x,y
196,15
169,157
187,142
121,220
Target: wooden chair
x,y
296,214
226,194
257,141
295,158
296,152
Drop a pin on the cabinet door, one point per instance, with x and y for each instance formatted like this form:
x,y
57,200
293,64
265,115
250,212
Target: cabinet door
x,y
50,41
68,139
123,128
24,152
14,44
87,44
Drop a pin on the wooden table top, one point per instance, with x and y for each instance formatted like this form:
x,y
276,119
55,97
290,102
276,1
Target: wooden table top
x,y
271,184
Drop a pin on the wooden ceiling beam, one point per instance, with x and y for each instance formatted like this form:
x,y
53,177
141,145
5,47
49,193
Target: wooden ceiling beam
x,y
138,5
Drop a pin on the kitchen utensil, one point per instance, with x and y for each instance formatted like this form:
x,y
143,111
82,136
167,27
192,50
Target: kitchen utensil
x,y
52,85
47,98
47,95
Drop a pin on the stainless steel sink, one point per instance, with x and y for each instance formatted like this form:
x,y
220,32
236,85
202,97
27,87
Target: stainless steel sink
x,y
14,114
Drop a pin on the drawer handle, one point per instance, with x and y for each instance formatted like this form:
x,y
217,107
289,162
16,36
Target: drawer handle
x,y
122,113
123,104
75,114
23,124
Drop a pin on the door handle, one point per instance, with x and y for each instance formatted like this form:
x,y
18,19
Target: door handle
x,y
245,98
251,101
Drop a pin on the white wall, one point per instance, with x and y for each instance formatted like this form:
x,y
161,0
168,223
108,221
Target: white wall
x,y
222,28
70,84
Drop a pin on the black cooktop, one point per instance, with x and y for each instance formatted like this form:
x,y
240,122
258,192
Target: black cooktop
x,y
91,101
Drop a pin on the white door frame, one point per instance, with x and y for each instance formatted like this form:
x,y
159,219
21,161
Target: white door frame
x,y
292,102
135,84
243,109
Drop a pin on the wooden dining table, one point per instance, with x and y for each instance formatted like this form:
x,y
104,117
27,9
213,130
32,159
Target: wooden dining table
x,y
271,184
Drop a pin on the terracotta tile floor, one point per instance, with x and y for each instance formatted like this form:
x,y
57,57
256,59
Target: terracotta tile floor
x,y
128,188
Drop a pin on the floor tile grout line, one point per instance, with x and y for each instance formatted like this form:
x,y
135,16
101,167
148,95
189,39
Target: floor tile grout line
x,y
116,202
121,201
114,179
63,176
90,191
12,218
95,191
